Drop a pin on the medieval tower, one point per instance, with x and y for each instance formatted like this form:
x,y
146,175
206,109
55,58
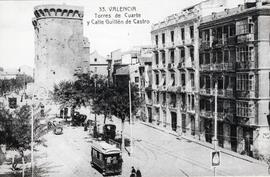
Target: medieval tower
x,y
61,50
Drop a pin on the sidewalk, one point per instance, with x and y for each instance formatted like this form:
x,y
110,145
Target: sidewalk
x,y
205,144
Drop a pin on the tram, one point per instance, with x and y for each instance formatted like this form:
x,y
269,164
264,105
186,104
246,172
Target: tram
x,y
106,158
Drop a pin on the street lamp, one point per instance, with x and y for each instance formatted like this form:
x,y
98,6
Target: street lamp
x,y
215,124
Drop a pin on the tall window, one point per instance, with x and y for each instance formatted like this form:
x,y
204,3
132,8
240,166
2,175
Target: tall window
x,y
245,53
244,109
183,34
183,79
206,36
157,79
164,98
157,58
182,54
244,26
173,79
245,82
172,36
192,79
163,38
191,32
172,56
191,53
157,97
156,38
163,57
226,56
232,30
164,78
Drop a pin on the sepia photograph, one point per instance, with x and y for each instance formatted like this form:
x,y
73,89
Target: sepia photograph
x,y
134,88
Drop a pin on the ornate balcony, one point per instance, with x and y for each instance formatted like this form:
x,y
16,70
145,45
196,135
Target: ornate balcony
x,y
207,114
245,94
183,108
217,43
181,65
245,38
245,65
170,45
216,67
205,45
171,66
228,66
229,93
231,40
149,102
205,67
172,89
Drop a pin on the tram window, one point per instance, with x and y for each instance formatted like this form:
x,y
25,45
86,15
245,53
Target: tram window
x,y
109,159
100,156
114,160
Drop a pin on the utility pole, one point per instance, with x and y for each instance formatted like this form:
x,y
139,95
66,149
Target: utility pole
x,y
95,127
130,117
215,116
32,139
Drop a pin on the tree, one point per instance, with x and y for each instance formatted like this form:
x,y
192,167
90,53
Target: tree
x,y
15,84
120,107
16,129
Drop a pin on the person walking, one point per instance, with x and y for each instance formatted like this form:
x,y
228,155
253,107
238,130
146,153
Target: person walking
x,y
133,172
138,173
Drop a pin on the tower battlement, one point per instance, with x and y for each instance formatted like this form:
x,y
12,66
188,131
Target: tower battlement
x,y
58,11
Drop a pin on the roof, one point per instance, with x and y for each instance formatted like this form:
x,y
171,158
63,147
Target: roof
x,y
105,148
122,71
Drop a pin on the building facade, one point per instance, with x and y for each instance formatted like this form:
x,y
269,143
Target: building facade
x,y
98,64
172,101
234,54
193,52
60,47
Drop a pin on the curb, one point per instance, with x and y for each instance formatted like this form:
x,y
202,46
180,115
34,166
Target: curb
x,y
210,146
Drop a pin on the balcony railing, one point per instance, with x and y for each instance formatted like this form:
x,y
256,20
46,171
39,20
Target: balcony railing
x,y
217,43
205,45
205,67
229,93
245,94
245,65
245,38
183,108
171,45
216,67
231,40
207,114
149,101
171,66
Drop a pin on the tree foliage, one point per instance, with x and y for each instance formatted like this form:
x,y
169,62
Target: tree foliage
x,y
16,127
95,90
15,84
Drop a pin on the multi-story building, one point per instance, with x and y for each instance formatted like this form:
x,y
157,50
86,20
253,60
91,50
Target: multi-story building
x,y
234,54
98,64
172,101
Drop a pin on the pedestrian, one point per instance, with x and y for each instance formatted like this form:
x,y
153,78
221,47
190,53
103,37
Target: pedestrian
x,y
133,172
138,173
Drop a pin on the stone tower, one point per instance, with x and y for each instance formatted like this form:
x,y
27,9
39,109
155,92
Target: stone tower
x,y
60,47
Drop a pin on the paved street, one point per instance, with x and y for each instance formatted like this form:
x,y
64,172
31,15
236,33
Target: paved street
x,y
156,154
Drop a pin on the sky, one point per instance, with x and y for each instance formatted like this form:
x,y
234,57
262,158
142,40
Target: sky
x,y
17,32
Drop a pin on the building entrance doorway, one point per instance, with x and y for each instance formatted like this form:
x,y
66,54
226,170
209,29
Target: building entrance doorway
x,y
149,115
174,121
